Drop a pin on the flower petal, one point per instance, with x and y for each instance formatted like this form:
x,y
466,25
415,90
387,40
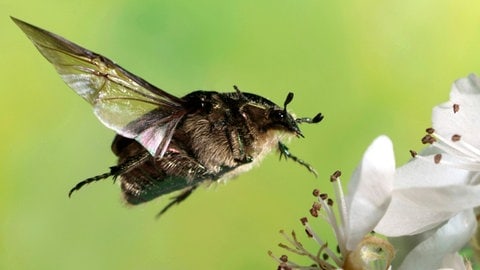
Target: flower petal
x,y
454,261
447,239
405,217
425,195
416,210
447,198
466,94
423,172
370,190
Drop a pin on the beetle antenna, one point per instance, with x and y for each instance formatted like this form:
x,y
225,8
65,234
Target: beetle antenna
x,y
309,120
288,99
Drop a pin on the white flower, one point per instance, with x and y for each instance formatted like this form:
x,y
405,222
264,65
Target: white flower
x,y
444,179
436,192
455,261
358,213
436,248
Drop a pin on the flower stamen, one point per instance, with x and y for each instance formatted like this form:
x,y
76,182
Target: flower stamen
x,y
466,156
456,107
326,258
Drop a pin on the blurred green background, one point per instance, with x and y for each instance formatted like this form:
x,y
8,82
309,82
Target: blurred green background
x,y
371,67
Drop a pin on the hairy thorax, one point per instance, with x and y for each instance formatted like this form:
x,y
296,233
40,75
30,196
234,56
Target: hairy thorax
x,y
228,144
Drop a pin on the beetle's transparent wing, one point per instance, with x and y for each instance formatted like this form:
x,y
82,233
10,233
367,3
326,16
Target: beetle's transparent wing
x,y
119,98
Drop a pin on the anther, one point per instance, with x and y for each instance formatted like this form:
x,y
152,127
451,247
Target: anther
x,y
413,153
456,138
284,258
430,130
317,206
329,202
316,192
428,139
308,233
456,107
304,221
425,139
437,158
335,175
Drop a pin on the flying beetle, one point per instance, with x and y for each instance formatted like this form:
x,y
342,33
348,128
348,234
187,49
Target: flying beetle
x,y
166,143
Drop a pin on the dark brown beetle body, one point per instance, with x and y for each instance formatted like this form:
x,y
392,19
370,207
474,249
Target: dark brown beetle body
x,y
165,143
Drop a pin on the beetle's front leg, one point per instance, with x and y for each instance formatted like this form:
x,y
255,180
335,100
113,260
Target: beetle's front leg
x,y
284,152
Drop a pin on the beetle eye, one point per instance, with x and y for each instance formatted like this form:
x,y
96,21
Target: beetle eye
x,y
277,116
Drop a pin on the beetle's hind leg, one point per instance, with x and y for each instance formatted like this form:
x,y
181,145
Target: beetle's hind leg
x,y
178,199
114,171
284,152
79,185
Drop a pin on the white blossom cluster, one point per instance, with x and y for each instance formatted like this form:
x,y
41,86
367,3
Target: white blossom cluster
x,y
416,216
